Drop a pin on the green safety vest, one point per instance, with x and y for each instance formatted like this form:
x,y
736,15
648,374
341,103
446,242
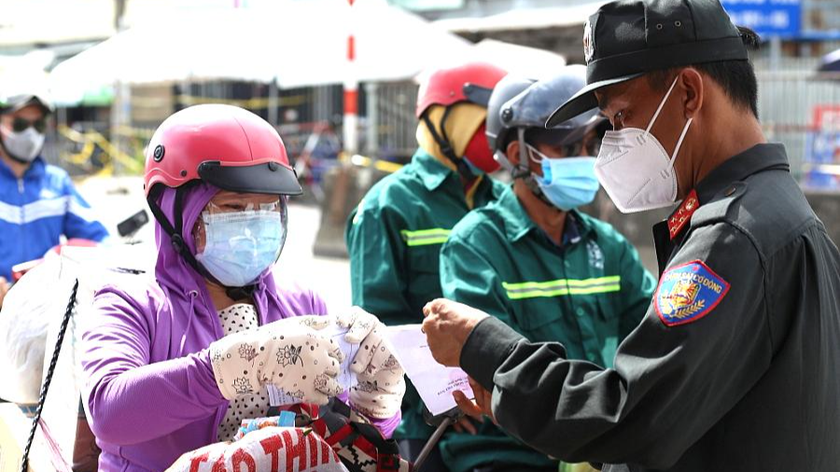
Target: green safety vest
x,y
587,294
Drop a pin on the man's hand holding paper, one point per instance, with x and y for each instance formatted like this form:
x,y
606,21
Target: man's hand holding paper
x,y
447,326
435,383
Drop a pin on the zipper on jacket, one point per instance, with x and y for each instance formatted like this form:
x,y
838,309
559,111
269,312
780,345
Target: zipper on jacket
x,y
22,204
21,233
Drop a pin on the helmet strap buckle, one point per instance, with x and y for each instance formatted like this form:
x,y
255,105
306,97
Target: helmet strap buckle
x,y
178,243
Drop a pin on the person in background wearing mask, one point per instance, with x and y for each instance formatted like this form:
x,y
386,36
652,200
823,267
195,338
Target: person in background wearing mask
x,y
177,362
535,262
736,365
395,234
38,202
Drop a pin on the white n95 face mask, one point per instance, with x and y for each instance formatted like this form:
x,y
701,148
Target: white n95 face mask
x,y
634,168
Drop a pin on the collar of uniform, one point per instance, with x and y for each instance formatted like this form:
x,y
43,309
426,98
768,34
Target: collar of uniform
x,y
573,231
35,169
432,172
6,170
755,159
518,223
576,228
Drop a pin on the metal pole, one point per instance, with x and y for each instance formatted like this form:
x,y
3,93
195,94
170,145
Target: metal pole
x,y
372,91
121,107
273,102
119,12
351,92
775,52
432,442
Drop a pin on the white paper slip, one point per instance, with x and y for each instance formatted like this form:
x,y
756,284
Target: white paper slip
x,y
434,382
346,378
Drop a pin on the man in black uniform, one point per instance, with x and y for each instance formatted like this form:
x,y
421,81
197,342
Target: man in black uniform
x,y
736,365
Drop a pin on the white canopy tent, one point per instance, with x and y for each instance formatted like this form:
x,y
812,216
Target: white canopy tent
x,y
296,44
25,74
520,60
572,14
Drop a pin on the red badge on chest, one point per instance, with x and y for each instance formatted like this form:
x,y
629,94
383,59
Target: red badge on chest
x,y
682,216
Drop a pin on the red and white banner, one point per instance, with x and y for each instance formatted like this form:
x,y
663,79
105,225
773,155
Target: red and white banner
x,y
266,450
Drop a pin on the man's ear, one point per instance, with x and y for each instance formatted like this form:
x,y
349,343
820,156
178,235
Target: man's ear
x,y
692,83
512,152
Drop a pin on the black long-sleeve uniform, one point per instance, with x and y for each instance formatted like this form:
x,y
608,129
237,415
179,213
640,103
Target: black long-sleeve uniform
x,y
735,367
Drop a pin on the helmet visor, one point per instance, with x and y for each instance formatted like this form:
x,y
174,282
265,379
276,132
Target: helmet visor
x,y
268,178
477,94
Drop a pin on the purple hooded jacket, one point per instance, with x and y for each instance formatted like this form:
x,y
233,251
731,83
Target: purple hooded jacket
x,y
149,388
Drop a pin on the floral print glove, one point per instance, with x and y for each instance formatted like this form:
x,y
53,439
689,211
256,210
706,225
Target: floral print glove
x,y
380,391
381,379
290,354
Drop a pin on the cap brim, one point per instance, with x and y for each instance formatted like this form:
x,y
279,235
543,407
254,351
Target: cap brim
x,y
477,94
579,133
22,101
584,100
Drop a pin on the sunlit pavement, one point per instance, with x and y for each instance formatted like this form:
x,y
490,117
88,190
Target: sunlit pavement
x,y
117,198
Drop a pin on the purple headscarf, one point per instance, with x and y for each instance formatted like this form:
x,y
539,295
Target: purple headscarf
x,y
181,282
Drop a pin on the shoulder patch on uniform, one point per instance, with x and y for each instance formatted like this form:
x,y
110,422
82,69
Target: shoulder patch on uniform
x,y
688,292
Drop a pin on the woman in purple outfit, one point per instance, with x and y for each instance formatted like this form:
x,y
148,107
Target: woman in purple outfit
x,y
176,364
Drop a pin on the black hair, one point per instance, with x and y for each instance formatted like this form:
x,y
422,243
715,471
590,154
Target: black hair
x,y
736,78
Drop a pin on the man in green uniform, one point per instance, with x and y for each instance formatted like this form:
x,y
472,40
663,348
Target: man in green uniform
x,y
736,366
535,262
395,234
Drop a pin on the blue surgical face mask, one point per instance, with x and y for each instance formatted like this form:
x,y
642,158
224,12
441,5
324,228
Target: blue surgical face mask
x,y
567,182
240,246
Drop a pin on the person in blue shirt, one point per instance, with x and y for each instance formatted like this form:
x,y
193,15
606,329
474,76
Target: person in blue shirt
x,y
38,202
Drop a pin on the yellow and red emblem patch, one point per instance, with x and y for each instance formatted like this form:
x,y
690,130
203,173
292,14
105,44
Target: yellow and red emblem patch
x,y
688,292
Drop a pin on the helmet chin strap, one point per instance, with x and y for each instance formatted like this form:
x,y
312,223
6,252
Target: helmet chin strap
x,y
523,169
175,233
442,141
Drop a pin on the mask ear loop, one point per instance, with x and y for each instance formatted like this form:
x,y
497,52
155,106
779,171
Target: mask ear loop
x,y
679,142
684,130
532,151
523,170
661,105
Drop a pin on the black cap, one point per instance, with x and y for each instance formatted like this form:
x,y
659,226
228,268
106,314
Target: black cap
x,y
625,39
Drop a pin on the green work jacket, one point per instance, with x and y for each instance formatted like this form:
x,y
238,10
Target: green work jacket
x,y
588,294
394,238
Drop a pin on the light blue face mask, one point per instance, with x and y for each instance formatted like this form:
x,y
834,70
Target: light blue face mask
x,y
567,182
241,245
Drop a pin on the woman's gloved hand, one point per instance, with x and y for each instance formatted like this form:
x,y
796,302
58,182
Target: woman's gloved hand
x,y
290,354
380,390
381,380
